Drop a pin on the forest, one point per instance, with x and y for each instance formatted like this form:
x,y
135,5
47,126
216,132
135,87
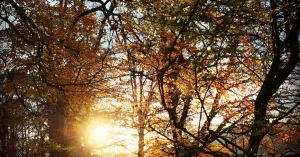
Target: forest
x,y
149,78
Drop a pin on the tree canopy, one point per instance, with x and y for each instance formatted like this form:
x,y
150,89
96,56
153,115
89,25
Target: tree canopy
x,y
169,78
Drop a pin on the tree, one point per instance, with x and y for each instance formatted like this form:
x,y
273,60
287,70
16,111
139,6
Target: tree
x,y
233,50
54,63
236,61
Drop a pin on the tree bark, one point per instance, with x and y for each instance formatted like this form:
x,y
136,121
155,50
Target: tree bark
x,y
57,124
275,77
141,142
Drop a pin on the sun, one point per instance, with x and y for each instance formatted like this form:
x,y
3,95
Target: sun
x,y
99,133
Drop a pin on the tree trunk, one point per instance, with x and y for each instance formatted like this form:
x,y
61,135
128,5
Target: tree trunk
x,y
141,143
4,140
12,151
57,124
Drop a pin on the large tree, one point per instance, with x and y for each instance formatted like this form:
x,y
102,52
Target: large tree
x,y
197,61
235,57
54,64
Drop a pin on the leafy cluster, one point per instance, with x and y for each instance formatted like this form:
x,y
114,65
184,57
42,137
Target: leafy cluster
x,y
193,78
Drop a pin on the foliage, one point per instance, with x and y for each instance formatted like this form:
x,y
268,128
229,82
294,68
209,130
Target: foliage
x,y
193,78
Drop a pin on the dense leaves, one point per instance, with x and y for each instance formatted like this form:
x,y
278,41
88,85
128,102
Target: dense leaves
x,y
192,78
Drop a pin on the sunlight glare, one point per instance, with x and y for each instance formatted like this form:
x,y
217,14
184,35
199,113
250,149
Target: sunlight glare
x,y
99,133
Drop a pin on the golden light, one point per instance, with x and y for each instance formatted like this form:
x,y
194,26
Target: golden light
x,y
99,133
